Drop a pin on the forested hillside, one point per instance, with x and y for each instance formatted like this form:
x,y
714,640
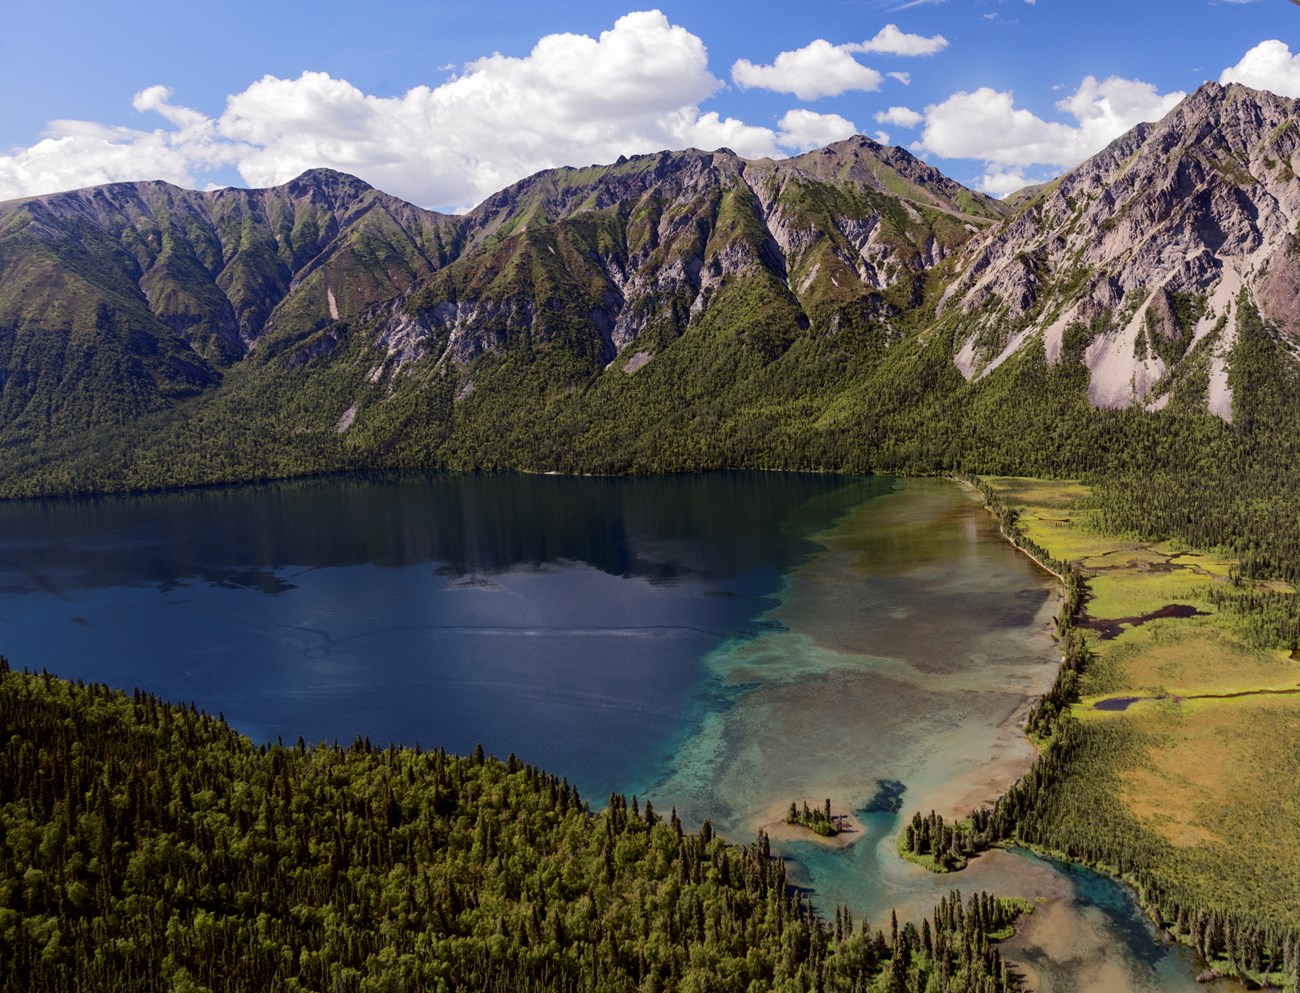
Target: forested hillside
x,y
849,309
152,336
144,845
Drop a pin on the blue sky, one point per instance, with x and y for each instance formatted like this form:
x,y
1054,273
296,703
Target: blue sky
x,y
444,103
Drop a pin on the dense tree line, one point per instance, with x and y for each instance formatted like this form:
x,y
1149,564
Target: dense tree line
x,y
945,847
145,845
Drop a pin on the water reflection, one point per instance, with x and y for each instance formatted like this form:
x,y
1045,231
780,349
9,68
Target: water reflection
x,y
659,528
562,619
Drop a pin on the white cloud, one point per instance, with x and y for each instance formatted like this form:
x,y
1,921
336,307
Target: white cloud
x,y
891,41
999,181
805,129
158,98
573,99
1268,66
709,131
819,69
83,158
904,117
903,77
987,125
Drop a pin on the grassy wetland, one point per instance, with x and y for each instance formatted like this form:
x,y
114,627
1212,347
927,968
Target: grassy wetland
x,y
1176,765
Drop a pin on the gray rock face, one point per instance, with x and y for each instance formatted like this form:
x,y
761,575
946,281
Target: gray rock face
x,y
625,258
1149,242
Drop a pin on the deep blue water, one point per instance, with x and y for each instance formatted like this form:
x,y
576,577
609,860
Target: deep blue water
x,y
561,619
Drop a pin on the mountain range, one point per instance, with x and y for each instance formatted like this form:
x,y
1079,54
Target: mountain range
x,y
850,308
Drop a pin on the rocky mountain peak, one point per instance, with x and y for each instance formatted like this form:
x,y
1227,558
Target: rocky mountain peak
x,y
1145,247
893,170
327,187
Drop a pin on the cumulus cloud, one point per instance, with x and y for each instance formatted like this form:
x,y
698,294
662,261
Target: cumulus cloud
x,y
987,125
904,117
999,181
819,69
804,129
574,99
890,40
88,155
1268,66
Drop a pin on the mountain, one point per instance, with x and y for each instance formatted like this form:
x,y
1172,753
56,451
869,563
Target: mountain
x,y
641,251
330,305
850,308
133,297
1137,257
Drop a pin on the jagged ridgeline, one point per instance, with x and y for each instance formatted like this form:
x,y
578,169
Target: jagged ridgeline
x,y
146,846
848,309
620,317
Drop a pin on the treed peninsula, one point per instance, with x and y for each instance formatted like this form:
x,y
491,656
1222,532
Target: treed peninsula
x,y
149,846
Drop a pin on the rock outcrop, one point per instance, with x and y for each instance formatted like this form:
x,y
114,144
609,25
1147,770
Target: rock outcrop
x,y
620,260
1144,249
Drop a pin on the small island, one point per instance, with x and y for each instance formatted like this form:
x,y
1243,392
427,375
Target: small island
x,y
941,847
819,819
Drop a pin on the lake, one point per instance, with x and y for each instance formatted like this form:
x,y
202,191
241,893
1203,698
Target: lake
x,y
723,643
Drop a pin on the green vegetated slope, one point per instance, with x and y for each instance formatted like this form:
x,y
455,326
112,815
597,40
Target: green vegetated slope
x,y
734,299
134,299
144,845
693,310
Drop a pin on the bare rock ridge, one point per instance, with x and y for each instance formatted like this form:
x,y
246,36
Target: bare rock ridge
x,y
1136,258
638,251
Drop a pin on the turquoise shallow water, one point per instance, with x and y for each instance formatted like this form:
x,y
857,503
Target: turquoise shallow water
x,y
724,643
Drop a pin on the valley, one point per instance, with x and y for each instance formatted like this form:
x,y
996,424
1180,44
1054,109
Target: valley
x,y
761,351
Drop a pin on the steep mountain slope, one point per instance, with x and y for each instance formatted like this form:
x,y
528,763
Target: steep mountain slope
x,y
1136,258
126,298
604,257
850,308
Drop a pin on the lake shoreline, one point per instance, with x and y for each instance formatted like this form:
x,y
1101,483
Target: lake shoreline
x,y
1027,924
